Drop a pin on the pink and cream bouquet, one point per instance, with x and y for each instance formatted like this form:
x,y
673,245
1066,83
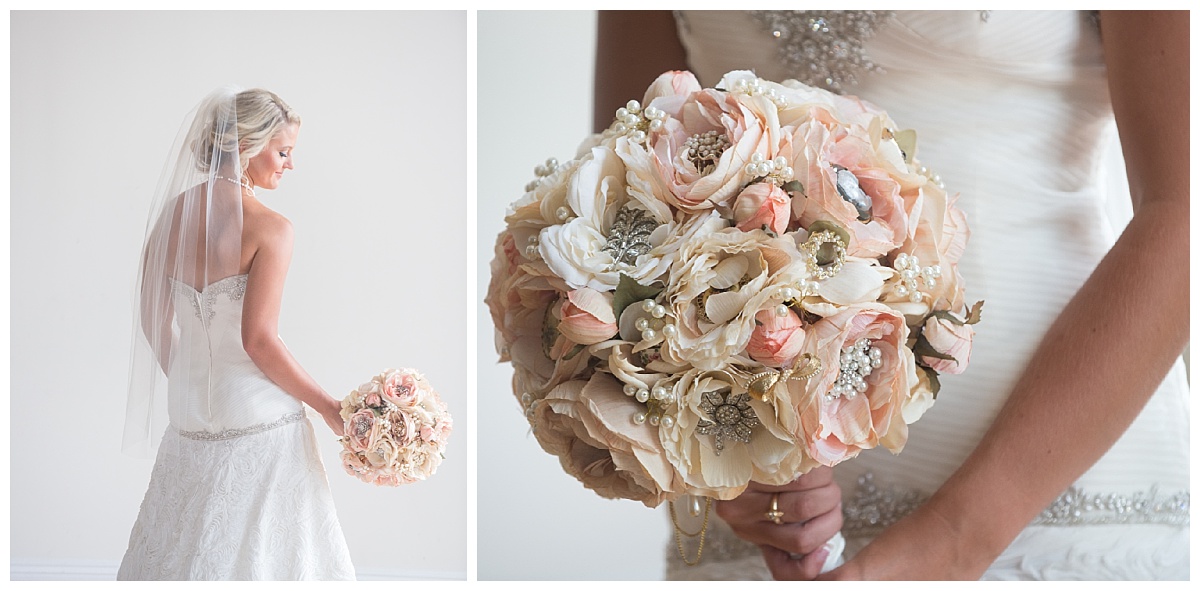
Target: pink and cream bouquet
x,y
729,284
396,429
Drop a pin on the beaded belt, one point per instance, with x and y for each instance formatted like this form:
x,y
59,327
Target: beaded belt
x,y
243,431
874,508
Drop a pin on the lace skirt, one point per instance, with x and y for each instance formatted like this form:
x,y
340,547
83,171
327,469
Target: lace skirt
x,y
245,504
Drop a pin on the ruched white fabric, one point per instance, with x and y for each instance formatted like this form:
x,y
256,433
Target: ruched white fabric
x,y
238,490
1012,110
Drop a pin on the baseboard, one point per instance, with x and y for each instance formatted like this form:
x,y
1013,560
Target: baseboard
x,y
30,570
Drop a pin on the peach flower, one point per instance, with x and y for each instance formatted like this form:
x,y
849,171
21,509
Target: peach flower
x,y
587,316
776,340
762,204
948,338
837,429
401,389
361,429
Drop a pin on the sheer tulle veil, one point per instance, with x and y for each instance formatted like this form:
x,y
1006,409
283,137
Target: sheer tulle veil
x,y
193,241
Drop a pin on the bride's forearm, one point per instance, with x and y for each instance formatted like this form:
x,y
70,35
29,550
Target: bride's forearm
x,y
277,363
1095,369
1103,357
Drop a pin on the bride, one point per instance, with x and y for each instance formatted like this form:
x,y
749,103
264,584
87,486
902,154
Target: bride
x,y
238,490
1062,452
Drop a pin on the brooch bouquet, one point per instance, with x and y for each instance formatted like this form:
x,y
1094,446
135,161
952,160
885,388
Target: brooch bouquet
x,y
729,284
396,429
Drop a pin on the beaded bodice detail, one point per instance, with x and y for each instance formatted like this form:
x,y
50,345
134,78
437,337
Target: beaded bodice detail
x,y
204,301
824,48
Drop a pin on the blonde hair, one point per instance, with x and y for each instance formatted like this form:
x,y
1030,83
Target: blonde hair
x,y
259,113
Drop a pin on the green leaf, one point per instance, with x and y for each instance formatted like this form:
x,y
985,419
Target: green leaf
x,y
973,316
630,291
573,352
792,187
935,386
924,349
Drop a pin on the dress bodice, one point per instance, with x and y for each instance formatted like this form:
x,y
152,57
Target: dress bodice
x,y
1012,110
213,384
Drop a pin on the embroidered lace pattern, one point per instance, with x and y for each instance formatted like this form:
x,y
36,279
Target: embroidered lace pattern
x,y
239,508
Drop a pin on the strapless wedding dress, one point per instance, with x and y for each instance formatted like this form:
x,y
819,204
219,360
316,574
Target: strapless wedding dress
x,y
1012,110
238,490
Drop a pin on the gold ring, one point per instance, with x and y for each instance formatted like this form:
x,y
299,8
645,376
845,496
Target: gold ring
x,y
775,515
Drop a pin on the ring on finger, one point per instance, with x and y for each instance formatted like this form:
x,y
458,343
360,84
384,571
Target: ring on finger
x,y
774,514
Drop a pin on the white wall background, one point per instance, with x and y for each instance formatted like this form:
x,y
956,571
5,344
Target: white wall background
x,y
535,521
378,203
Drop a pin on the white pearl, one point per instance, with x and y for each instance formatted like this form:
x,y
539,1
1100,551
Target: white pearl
x,y
654,420
670,398
630,389
780,162
781,310
648,305
787,293
622,113
526,398
670,331
562,213
530,251
638,136
901,290
641,324
656,125
668,422
659,392
658,312
639,417
642,395
620,128
631,120
756,158
633,105
649,334
915,297
789,172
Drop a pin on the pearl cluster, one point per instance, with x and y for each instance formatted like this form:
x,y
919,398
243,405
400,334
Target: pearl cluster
x,y
656,399
788,293
542,171
910,270
755,88
776,171
856,363
932,176
531,249
634,122
649,327
705,149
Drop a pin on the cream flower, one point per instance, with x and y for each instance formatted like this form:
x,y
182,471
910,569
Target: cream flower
x,y
588,426
770,455
717,286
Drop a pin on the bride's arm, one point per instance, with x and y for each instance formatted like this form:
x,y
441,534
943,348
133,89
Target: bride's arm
x,y
632,48
1102,358
260,320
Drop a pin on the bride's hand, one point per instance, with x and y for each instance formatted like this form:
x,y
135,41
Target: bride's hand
x,y
812,514
332,413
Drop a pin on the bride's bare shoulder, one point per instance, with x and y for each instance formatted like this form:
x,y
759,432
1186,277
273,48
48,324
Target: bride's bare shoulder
x,y
262,224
